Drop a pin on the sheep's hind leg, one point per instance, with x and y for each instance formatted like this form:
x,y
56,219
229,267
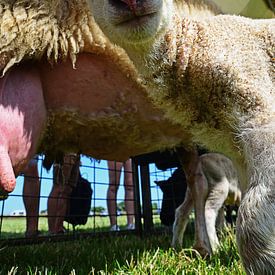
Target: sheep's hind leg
x,y
181,219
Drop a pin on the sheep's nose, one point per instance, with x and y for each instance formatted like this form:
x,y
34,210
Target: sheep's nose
x,y
132,4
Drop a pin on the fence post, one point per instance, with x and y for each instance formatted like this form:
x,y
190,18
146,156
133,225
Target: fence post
x,y
2,215
138,223
146,198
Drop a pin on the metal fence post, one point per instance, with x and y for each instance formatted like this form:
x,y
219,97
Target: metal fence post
x,y
138,223
146,198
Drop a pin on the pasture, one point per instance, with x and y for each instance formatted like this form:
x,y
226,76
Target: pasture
x,y
14,227
114,254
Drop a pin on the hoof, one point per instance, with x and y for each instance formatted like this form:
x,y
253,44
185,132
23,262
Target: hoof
x,y
177,246
203,251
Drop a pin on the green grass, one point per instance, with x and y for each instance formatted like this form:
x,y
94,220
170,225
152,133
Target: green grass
x,y
14,227
119,255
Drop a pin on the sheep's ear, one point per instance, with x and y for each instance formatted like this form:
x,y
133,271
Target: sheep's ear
x,y
254,9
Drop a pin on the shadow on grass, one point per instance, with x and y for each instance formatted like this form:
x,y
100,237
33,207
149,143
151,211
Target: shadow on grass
x,y
93,255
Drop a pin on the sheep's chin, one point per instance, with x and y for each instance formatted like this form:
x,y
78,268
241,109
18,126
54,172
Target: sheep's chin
x,y
136,30
123,27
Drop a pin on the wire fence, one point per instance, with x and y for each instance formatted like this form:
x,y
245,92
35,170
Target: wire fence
x,y
14,218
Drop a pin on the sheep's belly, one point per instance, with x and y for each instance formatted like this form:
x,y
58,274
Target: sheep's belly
x,y
97,109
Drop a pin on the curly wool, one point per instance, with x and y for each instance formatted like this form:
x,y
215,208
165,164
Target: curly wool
x,y
57,29
30,29
235,49
196,9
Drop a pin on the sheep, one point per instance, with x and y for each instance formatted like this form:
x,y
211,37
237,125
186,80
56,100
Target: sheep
x,y
81,83
215,77
218,184
85,92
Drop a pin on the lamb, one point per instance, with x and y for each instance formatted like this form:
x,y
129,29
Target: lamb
x,y
218,182
215,77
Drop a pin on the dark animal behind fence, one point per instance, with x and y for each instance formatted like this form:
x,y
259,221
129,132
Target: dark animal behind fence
x,y
174,190
80,203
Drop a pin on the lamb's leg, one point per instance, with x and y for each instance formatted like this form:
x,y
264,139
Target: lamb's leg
x,y
220,221
199,194
198,187
181,219
217,195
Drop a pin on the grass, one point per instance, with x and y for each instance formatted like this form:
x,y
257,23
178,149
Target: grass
x,y
14,227
119,255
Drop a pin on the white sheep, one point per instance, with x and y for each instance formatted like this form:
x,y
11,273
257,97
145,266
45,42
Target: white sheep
x,y
65,87
215,77
102,109
217,183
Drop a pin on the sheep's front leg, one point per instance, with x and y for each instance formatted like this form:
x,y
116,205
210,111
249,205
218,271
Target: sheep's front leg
x,y
256,230
256,216
181,219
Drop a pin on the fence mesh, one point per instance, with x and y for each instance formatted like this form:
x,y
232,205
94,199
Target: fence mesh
x,y
13,211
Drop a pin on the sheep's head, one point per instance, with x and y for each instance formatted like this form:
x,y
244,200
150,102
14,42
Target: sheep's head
x,y
132,21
